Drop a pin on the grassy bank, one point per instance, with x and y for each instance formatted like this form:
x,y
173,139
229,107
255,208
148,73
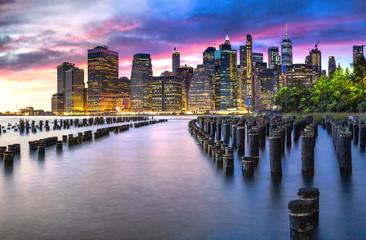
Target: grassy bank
x,y
337,116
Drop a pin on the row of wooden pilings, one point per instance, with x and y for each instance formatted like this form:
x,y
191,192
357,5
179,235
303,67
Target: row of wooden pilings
x,y
278,131
342,138
26,125
7,153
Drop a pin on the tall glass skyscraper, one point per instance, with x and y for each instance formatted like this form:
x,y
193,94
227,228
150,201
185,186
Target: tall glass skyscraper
x,y
286,52
58,99
175,61
199,94
209,66
316,62
257,57
102,79
273,57
226,81
141,76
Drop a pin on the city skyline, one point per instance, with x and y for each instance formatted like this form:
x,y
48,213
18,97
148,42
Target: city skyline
x,y
30,50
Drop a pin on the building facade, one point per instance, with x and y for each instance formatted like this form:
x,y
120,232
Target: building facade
x,y
357,53
175,61
184,75
273,57
166,94
316,62
249,71
102,79
141,76
209,65
226,78
257,58
74,95
299,72
199,94
58,99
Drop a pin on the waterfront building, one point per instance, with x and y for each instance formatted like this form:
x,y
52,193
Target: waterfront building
x,y
357,52
74,96
257,58
286,52
199,94
331,65
85,100
123,102
102,79
184,75
58,99
226,79
58,103
141,76
301,72
166,94
273,57
258,67
175,61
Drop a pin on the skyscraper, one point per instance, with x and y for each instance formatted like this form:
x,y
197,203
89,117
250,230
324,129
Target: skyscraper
x,y
331,65
249,70
58,99
300,72
209,66
102,79
316,62
184,75
141,76
175,61
257,57
199,94
226,87
166,94
286,52
273,57
357,52
74,94
243,56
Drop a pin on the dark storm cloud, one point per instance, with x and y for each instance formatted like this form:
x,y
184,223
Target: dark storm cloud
x,y
2,2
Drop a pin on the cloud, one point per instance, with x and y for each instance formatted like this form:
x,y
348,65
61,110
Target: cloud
x,y
3,2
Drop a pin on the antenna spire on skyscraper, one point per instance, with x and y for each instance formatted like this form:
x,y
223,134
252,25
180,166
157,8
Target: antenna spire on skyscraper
x,y
286,30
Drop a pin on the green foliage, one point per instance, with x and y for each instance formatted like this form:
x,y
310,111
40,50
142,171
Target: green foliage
x,y
343,91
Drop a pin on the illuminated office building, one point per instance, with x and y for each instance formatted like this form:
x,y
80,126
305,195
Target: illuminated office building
x,y
257,58
175,61
209,65
141,76
166,94
357,52
184,75
242,87
74,96
258,67
249,71
58,103
273,57
316,61
299,72
269,86
243,56
124,85
102,79
286,52
199,94
331,65
85,100
226,78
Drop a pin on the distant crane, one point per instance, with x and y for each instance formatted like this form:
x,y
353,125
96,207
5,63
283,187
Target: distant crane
x,y
316,44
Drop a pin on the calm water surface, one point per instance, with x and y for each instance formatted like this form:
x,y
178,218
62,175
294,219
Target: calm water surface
x,y
155,182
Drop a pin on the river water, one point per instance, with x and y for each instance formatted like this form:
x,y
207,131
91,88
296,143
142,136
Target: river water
x,y
155,182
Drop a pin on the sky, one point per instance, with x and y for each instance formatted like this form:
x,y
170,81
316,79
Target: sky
x,y
36,36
